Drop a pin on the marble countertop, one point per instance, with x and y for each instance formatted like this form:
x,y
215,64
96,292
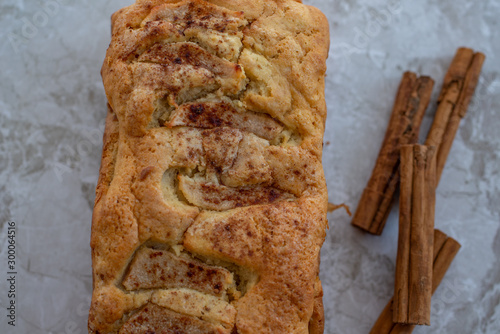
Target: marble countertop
x,y
52,108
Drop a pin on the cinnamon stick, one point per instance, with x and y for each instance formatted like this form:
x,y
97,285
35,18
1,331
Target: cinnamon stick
x,y
413,287
444,251
459,86
412,99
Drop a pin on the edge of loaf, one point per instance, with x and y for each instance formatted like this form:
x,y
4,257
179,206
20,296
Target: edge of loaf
x,y
211,203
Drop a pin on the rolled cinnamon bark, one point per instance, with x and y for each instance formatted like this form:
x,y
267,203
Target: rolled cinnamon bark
x,y
444,251
459,86
412,99
413,287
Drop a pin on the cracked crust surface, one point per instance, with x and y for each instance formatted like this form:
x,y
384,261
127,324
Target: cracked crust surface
x,y
211,203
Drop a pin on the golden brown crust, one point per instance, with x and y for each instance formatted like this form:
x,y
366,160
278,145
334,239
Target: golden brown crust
x,y
212,159
317,322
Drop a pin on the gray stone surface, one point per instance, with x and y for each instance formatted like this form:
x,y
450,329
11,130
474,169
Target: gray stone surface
x,y
52,107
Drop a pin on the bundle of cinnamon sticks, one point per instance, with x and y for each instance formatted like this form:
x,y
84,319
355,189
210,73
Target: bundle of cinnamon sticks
x,y
424,254
411,102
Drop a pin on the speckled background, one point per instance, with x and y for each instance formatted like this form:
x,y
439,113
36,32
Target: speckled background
x,y
52,107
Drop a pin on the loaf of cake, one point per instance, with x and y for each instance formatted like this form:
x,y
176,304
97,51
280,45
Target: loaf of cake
x,y
210,209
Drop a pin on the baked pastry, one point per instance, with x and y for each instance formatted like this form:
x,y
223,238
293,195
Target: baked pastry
x,y
211,203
